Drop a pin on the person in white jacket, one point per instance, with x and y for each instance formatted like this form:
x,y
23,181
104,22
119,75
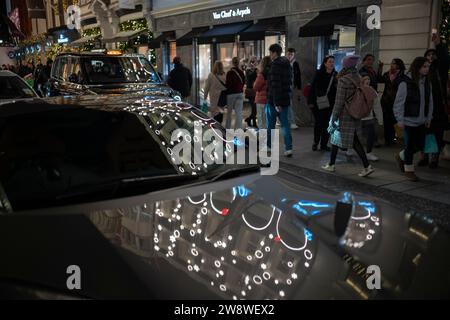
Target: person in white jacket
x,y
214,86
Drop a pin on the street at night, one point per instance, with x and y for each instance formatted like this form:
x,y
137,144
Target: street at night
x,y
200,151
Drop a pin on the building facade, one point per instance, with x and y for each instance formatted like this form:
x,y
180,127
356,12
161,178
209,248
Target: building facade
x,y
204,31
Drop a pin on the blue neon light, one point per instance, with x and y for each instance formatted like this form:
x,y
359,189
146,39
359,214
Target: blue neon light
x,y
303,206
314,204
300,209
308,234
241,190
368,205
237,142
346,198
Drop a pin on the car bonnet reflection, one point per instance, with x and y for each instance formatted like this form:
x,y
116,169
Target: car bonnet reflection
x,y
231,241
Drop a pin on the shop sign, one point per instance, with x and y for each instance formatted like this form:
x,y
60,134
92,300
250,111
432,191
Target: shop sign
x,y
232,13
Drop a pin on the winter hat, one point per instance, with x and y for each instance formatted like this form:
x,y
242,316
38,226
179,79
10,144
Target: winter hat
x,y
350,61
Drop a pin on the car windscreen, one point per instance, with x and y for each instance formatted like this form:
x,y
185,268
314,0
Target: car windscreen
x,y
48,156
14,88
119,69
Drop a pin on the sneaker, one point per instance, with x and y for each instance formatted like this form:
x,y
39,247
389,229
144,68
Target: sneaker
x,y
329,168
288,153
314,147
372,157
350,153
366,171
294,126
411,176
400,162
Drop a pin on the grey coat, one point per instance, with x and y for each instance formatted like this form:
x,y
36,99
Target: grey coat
x,y
342,135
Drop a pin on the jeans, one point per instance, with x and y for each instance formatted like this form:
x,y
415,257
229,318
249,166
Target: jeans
x,y
235,102
414,142
272,114
261,116
321,121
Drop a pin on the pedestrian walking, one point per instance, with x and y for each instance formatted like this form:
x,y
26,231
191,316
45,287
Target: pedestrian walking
x,y
346,130
279,89
321,100
180,78
439,66
260,86
413,109
250,93
235,80
215,84
369,123
44,77
296,87
391,80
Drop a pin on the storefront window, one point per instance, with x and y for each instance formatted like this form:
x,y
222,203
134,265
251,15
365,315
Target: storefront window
x,y
226,52
342,43
270,40
247,50
172,53
204,58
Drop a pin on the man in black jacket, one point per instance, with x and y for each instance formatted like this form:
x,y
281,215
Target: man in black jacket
x,y
279,86
180,78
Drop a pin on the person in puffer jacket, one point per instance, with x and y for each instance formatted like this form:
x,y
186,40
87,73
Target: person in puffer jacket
x,y
260,86
279,92
413,109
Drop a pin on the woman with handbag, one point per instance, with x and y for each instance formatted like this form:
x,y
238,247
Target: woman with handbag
x,y
321,100
346,130
216,90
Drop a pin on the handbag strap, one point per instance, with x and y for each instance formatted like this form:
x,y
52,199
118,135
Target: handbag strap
x,y
240,78
329,85
218,79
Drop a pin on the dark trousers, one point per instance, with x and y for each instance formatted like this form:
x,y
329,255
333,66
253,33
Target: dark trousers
x,y
321,121
389,122
414,142
357,146
251,120
368,127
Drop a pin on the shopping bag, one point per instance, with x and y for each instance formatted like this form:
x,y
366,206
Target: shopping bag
x,y
398,132
430,144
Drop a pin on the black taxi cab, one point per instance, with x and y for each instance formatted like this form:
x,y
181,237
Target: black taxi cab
x,y
105,72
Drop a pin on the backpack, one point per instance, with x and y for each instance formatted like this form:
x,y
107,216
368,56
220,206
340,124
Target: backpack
x,y
360,105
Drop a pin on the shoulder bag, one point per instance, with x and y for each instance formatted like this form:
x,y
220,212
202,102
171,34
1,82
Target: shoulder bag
x,y
322,101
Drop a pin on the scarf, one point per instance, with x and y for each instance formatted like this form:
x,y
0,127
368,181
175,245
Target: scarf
x,y
393,75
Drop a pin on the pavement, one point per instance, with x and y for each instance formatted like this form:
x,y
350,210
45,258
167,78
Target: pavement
x,y
434,184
